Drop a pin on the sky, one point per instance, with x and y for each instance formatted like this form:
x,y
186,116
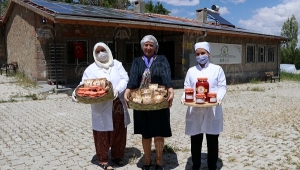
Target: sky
x,y
265,16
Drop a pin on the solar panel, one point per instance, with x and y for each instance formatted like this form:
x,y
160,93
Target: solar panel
x,y
220,19
96,11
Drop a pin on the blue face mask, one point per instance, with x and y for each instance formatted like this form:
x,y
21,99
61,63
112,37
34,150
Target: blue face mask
x,y
203,59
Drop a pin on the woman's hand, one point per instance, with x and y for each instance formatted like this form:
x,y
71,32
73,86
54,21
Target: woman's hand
x,y
171,96
126,94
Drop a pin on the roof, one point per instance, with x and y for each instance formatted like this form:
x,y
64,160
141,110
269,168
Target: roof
x,y
60,12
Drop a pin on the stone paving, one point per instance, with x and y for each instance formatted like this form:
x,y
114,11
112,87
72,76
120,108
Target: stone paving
x,y
55,133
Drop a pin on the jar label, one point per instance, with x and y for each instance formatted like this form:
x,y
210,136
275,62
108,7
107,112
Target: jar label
x,y
201,89
200,100
213,100
189,97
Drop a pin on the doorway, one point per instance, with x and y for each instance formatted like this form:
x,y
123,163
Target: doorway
x,y
167,48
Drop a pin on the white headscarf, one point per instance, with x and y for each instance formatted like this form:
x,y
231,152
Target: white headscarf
x,y
152,39
106,63
204,45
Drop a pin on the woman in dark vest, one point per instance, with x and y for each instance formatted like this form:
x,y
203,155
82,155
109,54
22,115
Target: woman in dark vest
x,y
151,68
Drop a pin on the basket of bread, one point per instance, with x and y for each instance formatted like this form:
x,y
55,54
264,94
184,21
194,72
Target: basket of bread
x,y
153,97
94,91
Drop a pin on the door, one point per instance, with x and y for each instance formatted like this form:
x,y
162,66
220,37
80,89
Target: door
x,y
167,48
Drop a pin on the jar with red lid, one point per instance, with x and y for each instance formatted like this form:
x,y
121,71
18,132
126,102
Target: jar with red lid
x,y
202,86
200,98
189,94
212,97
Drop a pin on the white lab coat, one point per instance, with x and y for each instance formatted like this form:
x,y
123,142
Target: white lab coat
x,y
102,112
208,120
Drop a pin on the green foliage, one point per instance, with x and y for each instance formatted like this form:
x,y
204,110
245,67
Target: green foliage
x,y
289,53
24,81
297,58
254,81
290,30
4,6
158,8
290,76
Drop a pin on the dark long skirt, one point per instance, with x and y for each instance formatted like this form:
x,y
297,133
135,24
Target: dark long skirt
x,y
152,123
116,140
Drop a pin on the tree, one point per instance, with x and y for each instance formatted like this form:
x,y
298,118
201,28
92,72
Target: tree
x,y
3,7
158,8
288,50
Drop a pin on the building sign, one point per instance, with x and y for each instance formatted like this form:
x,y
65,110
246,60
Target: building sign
x,y
225,53
44,33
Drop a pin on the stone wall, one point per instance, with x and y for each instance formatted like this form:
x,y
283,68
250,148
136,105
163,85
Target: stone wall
x,y
21,41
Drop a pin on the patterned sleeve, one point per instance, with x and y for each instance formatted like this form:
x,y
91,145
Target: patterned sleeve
x,y
133,82
166,76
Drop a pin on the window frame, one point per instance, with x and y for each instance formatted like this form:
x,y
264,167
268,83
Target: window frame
x,y
268,54
261,57
250,59
130,55
69,52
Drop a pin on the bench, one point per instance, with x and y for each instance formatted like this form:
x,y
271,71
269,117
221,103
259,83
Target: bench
x,y
7,67
269,75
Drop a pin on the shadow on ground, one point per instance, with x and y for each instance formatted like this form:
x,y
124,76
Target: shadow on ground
x,y
189,163
131,154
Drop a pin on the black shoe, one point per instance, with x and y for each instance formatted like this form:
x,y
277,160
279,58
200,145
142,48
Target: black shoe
x,y
159,167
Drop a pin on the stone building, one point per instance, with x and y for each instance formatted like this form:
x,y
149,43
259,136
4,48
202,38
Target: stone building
x,y
53,41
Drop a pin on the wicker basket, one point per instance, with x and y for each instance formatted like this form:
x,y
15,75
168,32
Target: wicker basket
x,y
88,100
146,107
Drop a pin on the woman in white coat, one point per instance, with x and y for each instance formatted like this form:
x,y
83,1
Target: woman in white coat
x,y
109,119
208,120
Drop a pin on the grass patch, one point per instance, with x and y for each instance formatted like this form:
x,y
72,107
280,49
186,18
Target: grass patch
x,y
255,89
24,81
170,149
8,101
276,135
231,159
254,81
290,76
237,137
32,96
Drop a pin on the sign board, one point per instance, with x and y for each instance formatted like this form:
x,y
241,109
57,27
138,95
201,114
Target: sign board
x,y
225,53
44,33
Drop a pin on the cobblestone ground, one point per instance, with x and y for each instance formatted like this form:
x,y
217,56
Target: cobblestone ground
x,y
55,133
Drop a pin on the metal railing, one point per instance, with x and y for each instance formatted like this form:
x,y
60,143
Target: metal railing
x,y
71,77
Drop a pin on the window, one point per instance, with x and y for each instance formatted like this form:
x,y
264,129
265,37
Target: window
x,y
250,53
71,57
271,53
132,51
111,46
261,54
